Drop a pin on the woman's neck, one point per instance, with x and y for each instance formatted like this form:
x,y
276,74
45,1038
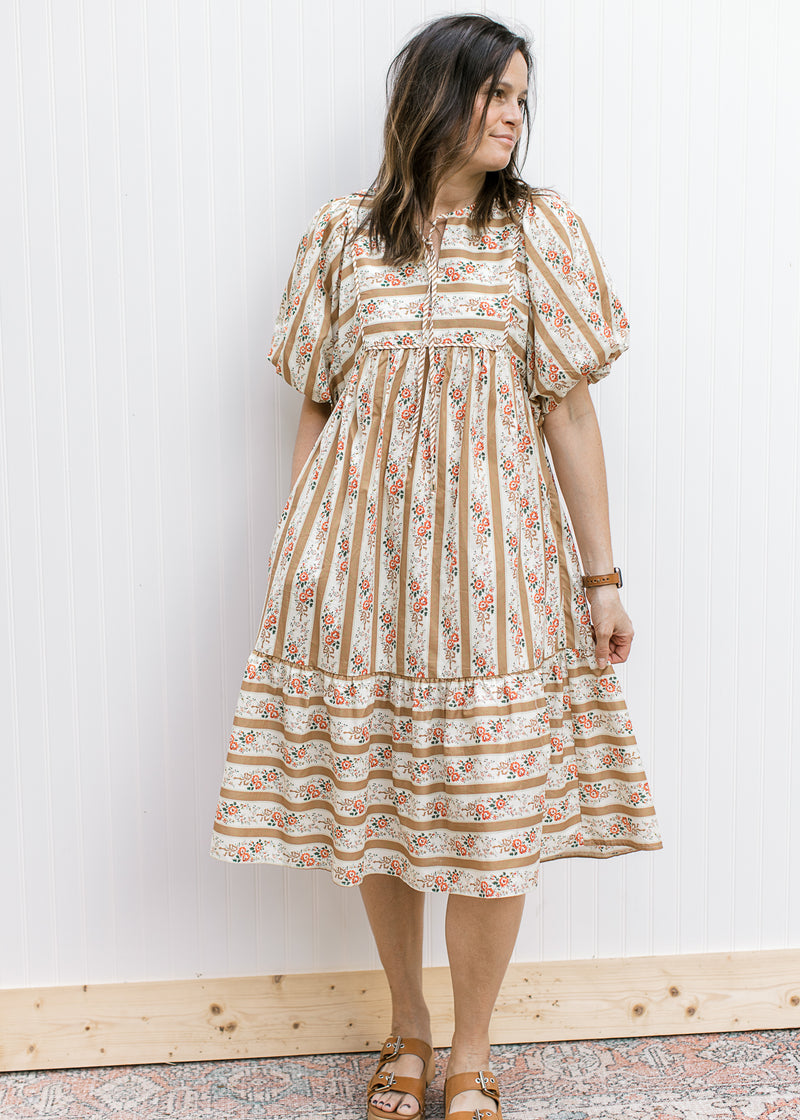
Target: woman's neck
x,y
457,191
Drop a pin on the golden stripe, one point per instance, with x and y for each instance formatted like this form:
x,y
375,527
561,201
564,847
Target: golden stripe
x,y
387,410
559,357
516,349
300,540
561,296
343,319
413,325
297,318
303,477
477,256
328,559
462,545
600,276
498,528
359,526
437,576
558,227
407,494
478,287
562,232
534,496
391,292
565,586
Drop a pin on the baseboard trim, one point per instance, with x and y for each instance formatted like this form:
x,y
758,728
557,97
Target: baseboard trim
x,y
342,1012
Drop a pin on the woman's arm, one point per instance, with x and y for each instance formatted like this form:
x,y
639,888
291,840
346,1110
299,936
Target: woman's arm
x,y
573,436
313,417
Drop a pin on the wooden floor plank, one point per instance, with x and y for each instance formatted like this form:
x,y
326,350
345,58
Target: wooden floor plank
x,y
340,1012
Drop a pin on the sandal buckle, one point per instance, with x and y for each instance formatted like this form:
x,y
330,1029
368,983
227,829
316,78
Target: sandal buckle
x,y
390,1079
392,1049
485,1081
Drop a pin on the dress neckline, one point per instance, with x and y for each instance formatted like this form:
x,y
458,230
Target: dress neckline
x,y
454,213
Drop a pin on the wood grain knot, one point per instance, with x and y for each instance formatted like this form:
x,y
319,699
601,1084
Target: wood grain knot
x,y
794,1001
638,1009
674,991
215,1009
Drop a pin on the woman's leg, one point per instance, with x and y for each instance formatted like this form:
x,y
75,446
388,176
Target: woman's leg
x,y
395,913
481,934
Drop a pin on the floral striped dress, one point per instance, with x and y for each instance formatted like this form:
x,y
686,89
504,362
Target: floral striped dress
x,y
423,698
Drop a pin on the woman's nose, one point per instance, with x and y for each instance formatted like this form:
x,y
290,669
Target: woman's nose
x,y
513,114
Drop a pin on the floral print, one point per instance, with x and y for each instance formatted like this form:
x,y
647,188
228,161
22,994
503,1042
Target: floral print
x,y
423,698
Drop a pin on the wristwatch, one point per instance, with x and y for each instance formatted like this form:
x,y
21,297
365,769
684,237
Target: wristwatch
x,y
614,577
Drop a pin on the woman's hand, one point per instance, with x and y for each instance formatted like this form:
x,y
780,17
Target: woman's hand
x,y
612,629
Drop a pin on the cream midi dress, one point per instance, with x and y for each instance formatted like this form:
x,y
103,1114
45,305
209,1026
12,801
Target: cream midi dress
x,y
423,698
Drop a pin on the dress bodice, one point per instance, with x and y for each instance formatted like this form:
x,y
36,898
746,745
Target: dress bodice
x,y
462,298
532,278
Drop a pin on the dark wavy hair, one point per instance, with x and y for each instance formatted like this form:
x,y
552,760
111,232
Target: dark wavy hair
x,y
431,88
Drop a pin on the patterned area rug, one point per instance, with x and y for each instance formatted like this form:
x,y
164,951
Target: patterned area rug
x,y
742,1076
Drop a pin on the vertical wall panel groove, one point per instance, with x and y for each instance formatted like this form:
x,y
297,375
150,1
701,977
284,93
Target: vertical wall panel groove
x,y
163,163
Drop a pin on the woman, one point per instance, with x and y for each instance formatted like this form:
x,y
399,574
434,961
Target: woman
x,y
429,705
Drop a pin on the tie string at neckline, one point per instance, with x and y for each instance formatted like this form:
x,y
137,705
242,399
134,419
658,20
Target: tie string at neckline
x,y
432,263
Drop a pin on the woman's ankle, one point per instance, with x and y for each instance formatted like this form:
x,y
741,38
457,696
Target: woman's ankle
x,y
412,1024
468,1053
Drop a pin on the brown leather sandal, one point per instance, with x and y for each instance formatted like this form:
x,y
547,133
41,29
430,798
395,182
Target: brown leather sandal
x,y
482,1081
384,1079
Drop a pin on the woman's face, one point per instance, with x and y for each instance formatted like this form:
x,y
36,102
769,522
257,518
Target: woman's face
x,y
504,118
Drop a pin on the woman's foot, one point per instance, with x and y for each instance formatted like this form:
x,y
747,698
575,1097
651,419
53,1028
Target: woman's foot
x,y
405,1065
463,1060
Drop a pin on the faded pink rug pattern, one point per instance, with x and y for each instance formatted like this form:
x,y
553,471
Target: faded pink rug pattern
x,y
743,1076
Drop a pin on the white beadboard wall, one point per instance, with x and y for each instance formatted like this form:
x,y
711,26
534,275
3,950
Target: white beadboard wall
x,y
160,160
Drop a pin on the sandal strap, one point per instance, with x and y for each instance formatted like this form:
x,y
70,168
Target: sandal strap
x,y
396,1044
476,1114
482,1081
387,1080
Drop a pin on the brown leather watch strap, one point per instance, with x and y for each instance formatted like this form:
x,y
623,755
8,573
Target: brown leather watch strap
x,y
614,577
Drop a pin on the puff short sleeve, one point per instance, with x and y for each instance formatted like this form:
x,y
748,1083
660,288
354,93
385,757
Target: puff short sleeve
x,y
304,346
577,325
